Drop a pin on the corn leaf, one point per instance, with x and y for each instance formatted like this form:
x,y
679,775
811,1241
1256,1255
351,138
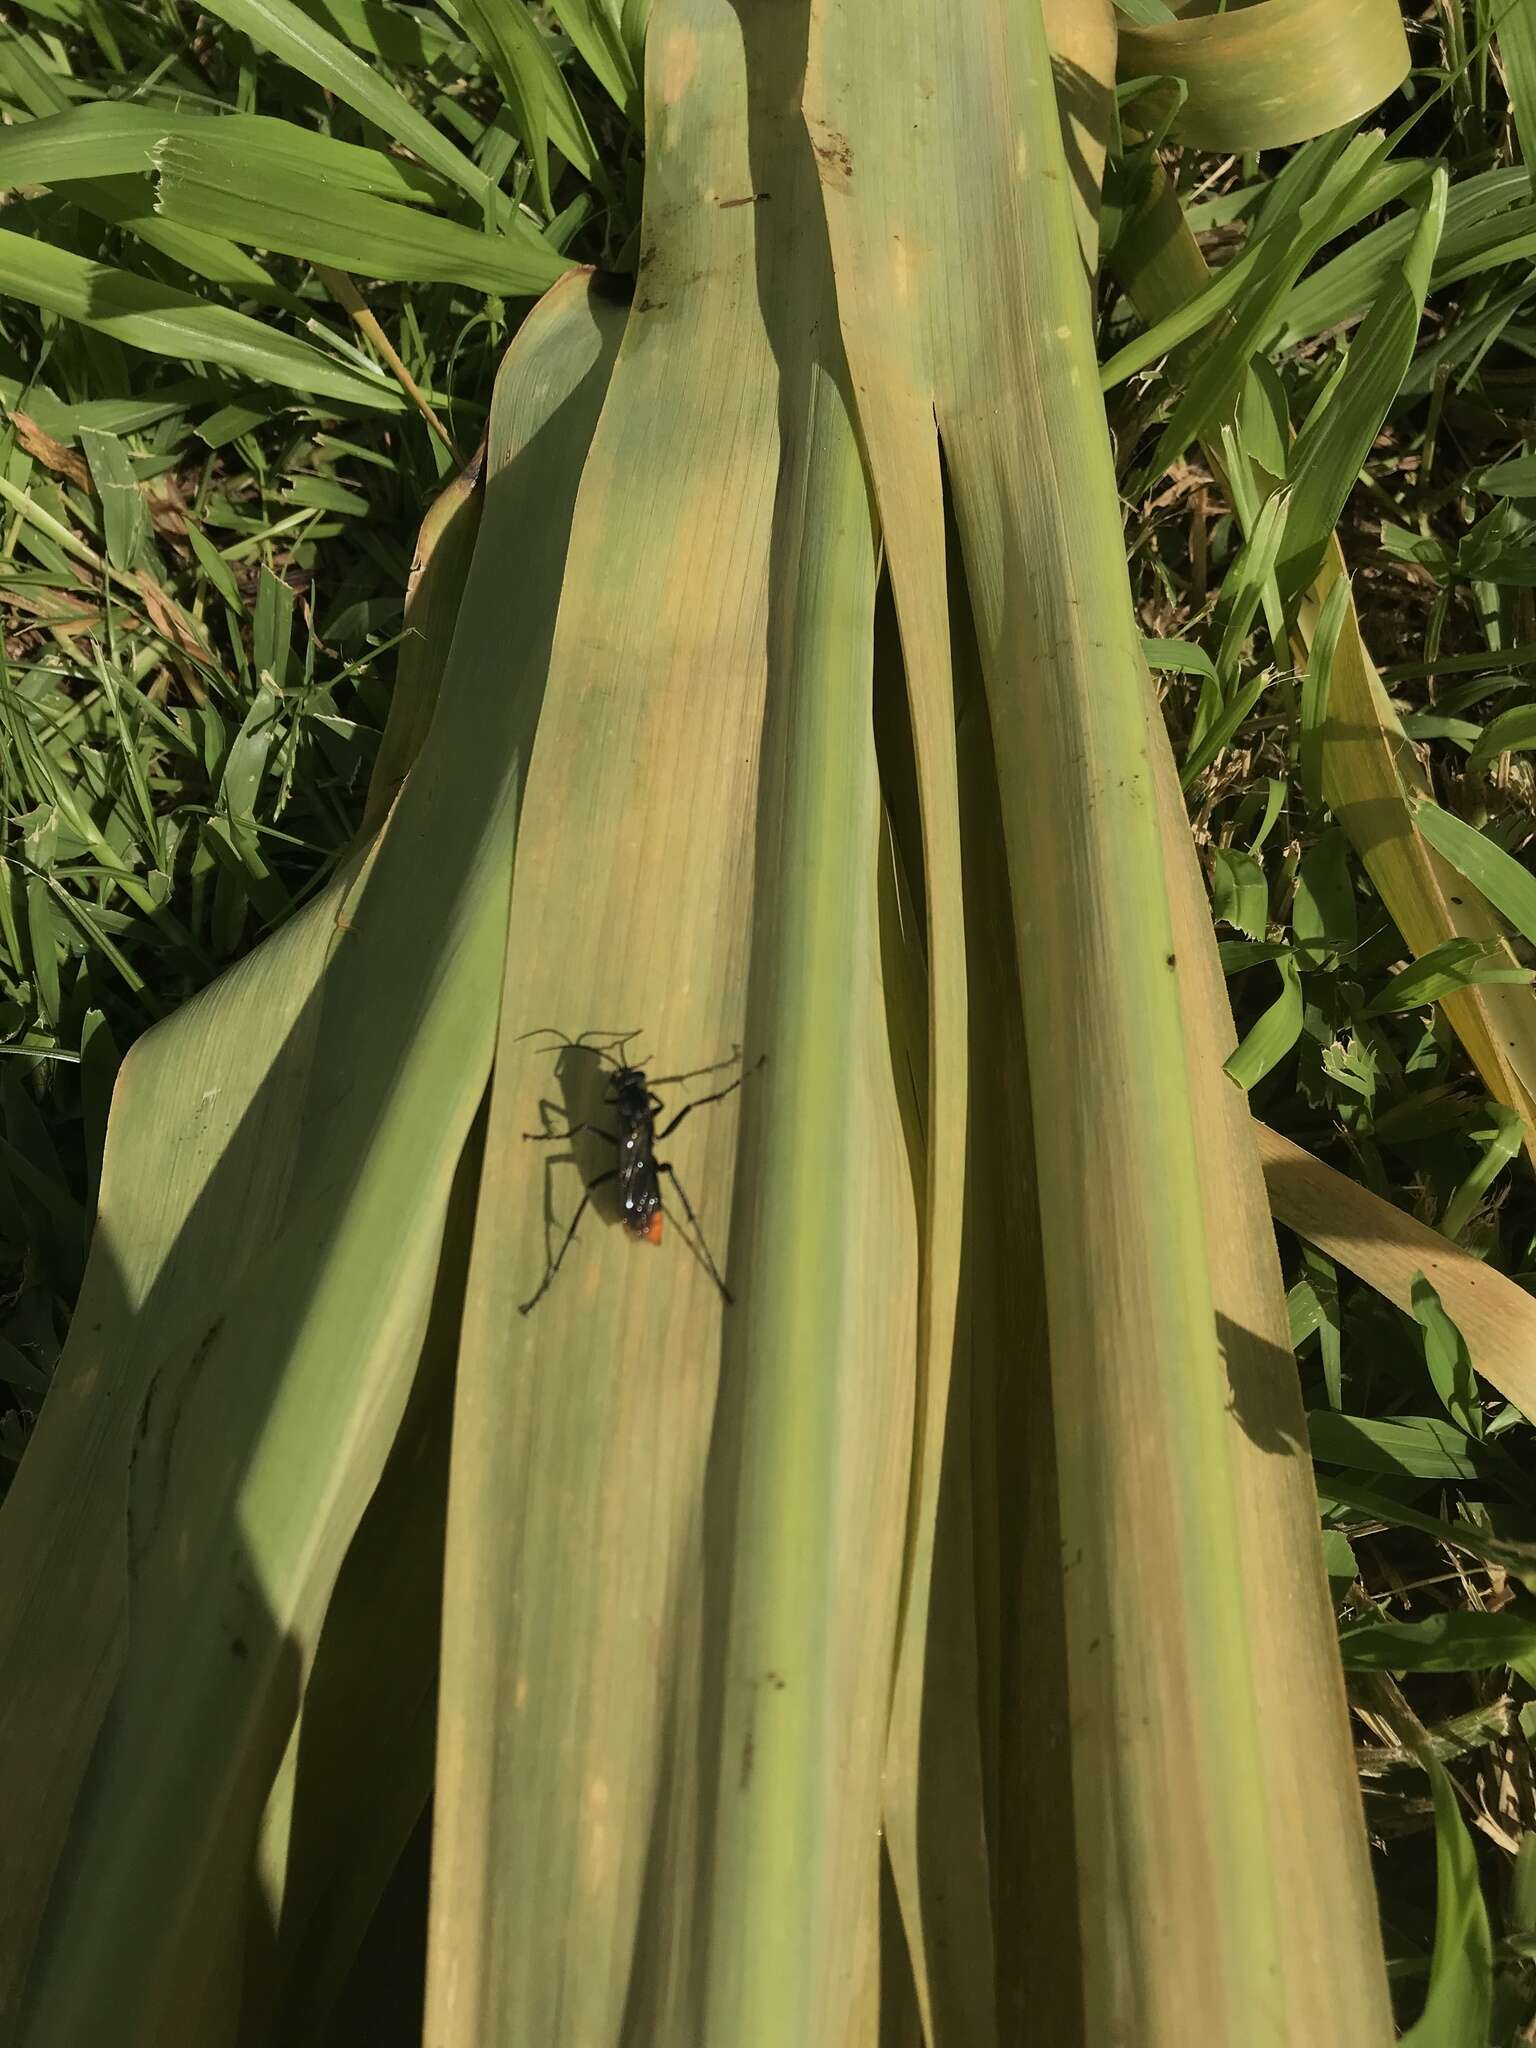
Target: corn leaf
x,y
1277,72
699,861
1044,566
266,1407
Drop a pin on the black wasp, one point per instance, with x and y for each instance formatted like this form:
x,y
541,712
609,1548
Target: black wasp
x,y
631,1096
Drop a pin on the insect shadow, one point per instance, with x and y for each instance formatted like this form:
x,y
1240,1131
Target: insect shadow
x,y
610,1108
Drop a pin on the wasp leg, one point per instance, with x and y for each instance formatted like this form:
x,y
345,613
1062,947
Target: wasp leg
x,y
693,1073
575,1130
665,1166
554,1265
718,1096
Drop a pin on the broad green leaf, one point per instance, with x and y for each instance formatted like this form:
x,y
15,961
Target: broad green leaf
x,y
44,931
1520,1904
168,322
1419,1446
1323,916
1240,892
1513,731
1273,1035
1293,1617
1442,1642
206,187
1182,657
356,1777
272,630
128,202
1515,34
634,15
1445,1355
246,761
1460,2000
1513,479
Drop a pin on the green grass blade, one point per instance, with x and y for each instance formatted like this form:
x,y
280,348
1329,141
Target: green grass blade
x,y
201,185
125,517
110,138
1331,448
597,30
1459,963
1514,24
167,322
539,102
1496,875
1314,694
1350,281
291,35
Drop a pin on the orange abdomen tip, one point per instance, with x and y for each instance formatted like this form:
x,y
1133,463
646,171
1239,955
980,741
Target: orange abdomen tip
x,y
653,1229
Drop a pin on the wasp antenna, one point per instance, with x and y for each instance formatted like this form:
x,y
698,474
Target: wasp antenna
x,y
545,1031
619,1039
